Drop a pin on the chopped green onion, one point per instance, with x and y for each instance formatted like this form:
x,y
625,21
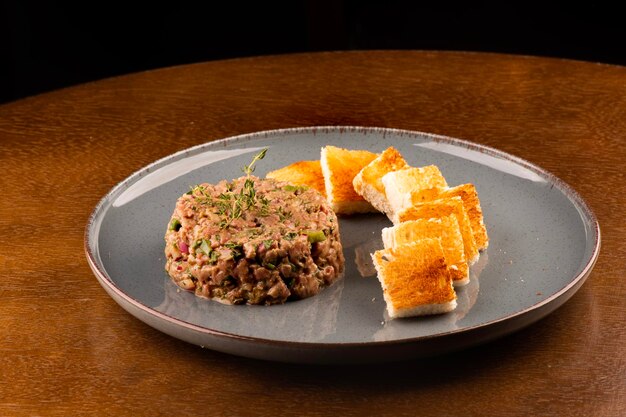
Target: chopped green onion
x,y
293,188
315,236
175,225
205,247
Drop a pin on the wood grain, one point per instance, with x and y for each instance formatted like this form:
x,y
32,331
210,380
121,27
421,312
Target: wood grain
x,y
68,349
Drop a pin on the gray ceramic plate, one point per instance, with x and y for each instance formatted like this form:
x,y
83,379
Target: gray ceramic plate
x,y
544,243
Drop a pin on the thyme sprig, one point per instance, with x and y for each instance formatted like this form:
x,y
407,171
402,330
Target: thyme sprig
x,y
249,169
232,205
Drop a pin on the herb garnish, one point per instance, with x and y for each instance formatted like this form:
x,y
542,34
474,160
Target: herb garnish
x,y
249,169
264,209
232,205
282,214
235,248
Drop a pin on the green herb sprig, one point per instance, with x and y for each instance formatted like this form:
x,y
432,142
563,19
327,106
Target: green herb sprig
x,y
232,205
249,169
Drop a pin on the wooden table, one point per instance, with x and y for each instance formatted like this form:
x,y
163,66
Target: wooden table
x,y
68,349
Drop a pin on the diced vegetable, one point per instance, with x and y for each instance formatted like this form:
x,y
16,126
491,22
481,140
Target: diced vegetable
x,y
205,247
294,188
183,247
315,236
175,225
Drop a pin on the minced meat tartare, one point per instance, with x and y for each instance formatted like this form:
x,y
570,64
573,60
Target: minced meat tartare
x,y
253,241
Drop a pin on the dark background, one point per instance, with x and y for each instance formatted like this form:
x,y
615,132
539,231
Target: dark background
x,y
48,46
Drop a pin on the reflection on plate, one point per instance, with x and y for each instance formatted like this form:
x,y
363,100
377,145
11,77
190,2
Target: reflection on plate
x,y
544,241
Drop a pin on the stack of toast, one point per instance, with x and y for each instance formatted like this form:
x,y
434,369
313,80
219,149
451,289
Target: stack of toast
x,y
438,231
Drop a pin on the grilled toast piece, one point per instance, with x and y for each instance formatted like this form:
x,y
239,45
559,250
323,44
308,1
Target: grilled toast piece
x,y
400,184
446,228
415,279
339,167
440,208
368,182
469,195
307,173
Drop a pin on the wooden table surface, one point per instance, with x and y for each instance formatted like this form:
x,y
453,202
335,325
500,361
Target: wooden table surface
x,y
68,349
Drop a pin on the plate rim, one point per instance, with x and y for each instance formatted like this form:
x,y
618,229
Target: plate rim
x,y
571,194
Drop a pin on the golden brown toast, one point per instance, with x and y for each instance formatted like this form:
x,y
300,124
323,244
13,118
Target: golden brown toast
x,y
401,183
440,208
308,173
339,167
368,182
415,279
446,228
469,195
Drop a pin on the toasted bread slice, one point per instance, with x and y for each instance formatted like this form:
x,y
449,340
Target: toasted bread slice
x,y
415,279
446,228
368,182
469,195
339,167
440,208
307,173
401,183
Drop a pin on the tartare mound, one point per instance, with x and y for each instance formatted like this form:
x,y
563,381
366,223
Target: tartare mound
x,y
253,241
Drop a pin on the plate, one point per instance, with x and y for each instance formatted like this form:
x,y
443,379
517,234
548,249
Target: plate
x,y
544,241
